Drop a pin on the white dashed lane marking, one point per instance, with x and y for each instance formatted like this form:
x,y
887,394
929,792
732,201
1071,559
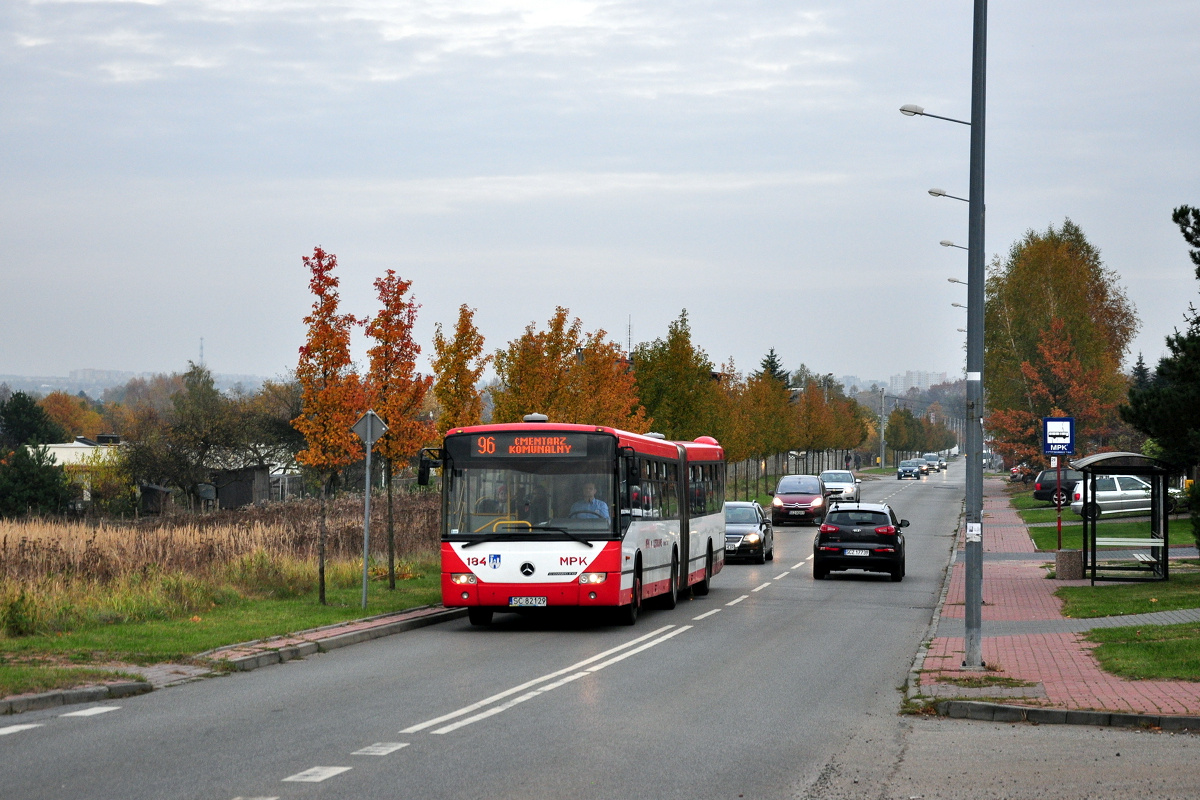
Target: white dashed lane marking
x,y
380,749
808,559
90,712
317,774
782,575
760,588
705,614
801,564
17,728
737,600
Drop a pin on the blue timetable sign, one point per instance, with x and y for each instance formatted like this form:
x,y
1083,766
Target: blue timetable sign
x,y
1058,436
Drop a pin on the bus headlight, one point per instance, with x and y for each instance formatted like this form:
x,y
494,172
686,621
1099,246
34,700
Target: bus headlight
x,y
593,577
463,577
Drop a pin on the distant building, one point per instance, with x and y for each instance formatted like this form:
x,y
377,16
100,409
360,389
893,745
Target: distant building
x,y
915,379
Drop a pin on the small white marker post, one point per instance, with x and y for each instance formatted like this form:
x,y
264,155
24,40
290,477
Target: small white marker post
x,y
369,428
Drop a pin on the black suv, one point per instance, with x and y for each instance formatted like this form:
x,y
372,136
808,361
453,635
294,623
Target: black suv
x,y
1046,488
864,536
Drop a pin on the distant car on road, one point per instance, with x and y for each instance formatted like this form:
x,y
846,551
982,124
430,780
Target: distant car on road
x,y
841,485
748,532
798,498
864,536
908,469
935,463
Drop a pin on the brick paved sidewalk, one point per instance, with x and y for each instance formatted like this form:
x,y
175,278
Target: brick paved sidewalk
x,y
1058,665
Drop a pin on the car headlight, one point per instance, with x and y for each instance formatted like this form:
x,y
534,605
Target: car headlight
x,y
777,502
463,577
752,538
820,501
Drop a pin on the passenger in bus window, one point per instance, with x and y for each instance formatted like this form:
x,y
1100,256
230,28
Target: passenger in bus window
x,y
590,505
538,508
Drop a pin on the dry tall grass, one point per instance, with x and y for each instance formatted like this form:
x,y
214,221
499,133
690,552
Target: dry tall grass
x,y
55,574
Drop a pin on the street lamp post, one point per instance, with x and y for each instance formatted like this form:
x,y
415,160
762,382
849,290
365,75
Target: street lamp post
x,y
948,243
975,295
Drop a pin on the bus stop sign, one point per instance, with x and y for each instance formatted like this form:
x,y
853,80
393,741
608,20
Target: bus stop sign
x,y
1058,436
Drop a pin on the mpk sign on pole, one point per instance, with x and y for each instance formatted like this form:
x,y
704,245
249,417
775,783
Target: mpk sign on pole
x,y
369,428
1058,440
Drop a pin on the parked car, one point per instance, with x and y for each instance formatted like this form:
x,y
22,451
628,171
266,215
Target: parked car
x,y
1116,494
841,485
908,469
1113,494
798,498
748,532
1047,488
864,536
935,463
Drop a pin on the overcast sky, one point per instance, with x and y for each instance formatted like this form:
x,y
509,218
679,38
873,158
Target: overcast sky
x,y
165,166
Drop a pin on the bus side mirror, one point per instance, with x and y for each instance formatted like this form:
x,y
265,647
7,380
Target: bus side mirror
x,y
430,458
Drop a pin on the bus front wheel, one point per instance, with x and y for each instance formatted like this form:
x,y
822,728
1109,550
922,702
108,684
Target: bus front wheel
x,y
479,616
627,615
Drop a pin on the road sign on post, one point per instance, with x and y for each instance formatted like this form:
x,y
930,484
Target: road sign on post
x,y
369,428
1058,436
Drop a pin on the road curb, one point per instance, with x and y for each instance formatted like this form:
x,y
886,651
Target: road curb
x,y
68,697
999,712
267,656
913,687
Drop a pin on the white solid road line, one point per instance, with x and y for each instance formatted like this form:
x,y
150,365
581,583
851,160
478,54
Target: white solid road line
x,y
737,600
18,728
705,614
317,774
760,588
782,575
509,692
646,646
380,749
90,712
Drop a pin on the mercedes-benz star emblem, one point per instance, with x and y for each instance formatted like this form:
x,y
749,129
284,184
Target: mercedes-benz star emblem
x,y
527,569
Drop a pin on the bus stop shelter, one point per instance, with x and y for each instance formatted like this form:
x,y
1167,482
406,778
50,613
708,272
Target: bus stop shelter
x,y
1140,557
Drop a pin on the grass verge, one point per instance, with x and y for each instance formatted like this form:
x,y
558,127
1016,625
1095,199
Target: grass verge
x,y
1086,602
1047,538
1150,652
34,662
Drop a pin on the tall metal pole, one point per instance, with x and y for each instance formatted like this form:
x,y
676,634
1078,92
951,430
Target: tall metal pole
x,y
881,423
366,525
975,279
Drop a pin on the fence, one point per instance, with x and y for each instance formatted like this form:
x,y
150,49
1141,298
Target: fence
x,y
753,478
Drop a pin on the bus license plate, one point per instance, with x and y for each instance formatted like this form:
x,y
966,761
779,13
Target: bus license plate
x,y
526,601
858,552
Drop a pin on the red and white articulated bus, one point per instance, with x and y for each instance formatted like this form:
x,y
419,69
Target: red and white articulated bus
x,y
539,514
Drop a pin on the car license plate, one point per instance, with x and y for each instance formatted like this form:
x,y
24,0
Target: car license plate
x,y
858,552
795,513
527,601
730,548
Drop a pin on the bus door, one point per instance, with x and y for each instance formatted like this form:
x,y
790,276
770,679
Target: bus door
x,y
685,520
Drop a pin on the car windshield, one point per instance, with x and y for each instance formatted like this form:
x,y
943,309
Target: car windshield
x,y
798,484
861,518
908,463
837,477
740,515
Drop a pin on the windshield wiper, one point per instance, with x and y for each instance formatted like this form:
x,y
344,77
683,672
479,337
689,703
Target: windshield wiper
x,y
564,532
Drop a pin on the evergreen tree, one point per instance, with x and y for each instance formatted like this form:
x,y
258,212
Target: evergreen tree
x,y
30,481
772,367
23,421
1141,377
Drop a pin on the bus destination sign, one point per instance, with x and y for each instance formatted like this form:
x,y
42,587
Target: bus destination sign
x,y
524,445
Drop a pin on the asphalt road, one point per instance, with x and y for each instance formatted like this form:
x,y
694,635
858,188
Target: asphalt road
x,y
774,685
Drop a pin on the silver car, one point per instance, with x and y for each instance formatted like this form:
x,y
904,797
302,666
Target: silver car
x,y
1114,494
841,485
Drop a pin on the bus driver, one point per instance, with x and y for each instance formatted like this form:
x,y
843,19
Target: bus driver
x,y
590,506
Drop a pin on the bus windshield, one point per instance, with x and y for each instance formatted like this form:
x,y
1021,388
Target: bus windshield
x,y
504,486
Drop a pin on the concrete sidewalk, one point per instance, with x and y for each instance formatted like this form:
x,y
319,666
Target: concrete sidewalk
x,y
1027,639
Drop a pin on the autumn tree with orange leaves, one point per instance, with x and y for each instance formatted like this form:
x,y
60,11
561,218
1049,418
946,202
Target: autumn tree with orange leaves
x,y
394,387
75,414
567,375
333,396
458,364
